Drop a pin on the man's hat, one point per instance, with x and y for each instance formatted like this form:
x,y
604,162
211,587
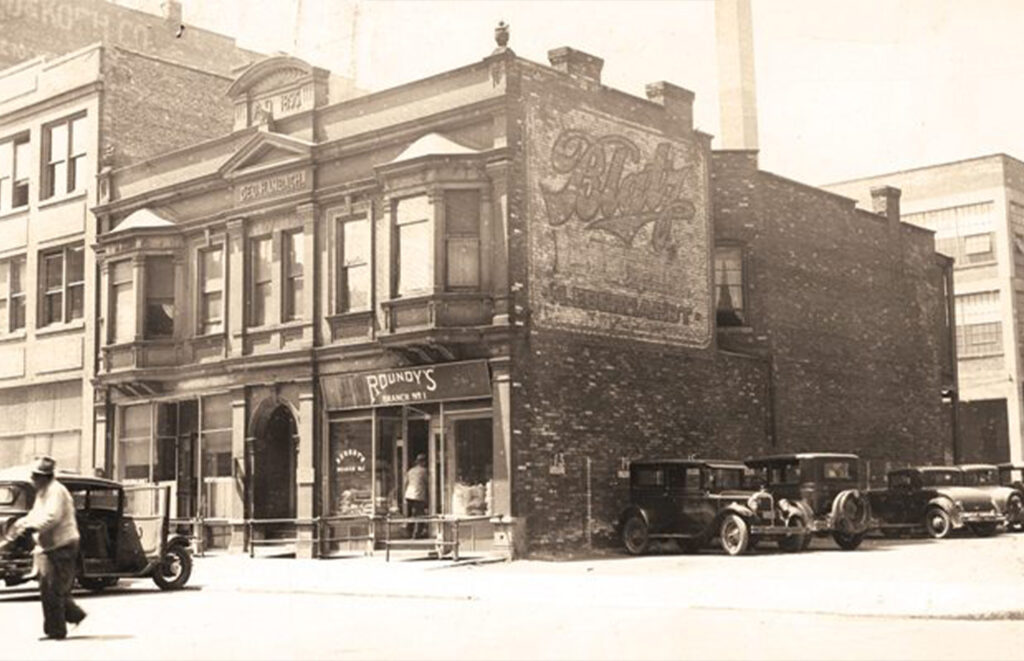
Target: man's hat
x,y
421,458
43,466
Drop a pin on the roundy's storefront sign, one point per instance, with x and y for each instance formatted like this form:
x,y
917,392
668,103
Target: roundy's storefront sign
x,y
407,385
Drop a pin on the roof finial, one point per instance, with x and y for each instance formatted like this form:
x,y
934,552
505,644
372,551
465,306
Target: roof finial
x,y
501,35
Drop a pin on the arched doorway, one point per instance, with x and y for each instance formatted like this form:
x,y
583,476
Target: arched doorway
x,y
274,449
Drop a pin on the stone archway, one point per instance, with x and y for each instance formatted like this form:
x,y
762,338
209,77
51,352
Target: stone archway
x,y
273,462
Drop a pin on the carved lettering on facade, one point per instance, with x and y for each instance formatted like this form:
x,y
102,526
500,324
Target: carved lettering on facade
x,y
272,186
607,188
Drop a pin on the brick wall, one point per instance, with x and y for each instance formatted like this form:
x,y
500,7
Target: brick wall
x,y
984,431
151,106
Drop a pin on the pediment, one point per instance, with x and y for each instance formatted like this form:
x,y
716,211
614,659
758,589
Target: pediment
x,y
265,150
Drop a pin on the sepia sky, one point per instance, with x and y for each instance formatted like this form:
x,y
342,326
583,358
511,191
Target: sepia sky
x,y
845,88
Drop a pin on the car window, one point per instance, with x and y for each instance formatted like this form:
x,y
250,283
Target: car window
x,y
648,477
727,478
942,478
900,481
103,499
1005,476
839,470
9,495
693,478
980,478
788,473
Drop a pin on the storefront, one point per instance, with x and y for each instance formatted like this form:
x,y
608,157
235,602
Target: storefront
x,y
380,421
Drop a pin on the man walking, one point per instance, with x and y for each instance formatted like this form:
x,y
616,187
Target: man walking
x,y
416,494
52,519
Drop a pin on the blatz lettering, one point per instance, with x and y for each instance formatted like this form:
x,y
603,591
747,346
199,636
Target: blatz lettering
x,y
607,188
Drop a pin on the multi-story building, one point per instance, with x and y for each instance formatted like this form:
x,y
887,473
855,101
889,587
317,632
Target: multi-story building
x,y
976,209
526,276
63,119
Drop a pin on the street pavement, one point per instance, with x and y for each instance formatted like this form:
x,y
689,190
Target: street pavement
x,y
900,599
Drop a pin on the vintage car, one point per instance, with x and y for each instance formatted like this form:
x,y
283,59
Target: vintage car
x,y
123,529
933,498
1009,500
1012,475
826,486
694,501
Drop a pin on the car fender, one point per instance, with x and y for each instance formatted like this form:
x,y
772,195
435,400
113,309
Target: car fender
x,y
178,540
740,510
798,507
945,503
630,511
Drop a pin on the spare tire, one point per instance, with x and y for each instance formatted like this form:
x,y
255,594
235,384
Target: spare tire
x,y
850,512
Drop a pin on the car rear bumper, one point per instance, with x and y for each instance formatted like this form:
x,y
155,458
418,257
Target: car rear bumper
x,y
981,517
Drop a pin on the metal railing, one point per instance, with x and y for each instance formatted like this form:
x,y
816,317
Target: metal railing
x,y
252,524
442,541
325,537
197,528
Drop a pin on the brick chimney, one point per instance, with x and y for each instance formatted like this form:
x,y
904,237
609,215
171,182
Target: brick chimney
x,y
577,64
678,102
885,201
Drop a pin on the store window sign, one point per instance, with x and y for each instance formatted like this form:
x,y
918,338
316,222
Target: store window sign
x,y
351,461
410,385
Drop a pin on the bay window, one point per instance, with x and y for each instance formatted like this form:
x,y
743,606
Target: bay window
x,y
159,297
462,239
414,252
12,294
211,290
261,280
122,302
64,149
354,264
293,272
61,285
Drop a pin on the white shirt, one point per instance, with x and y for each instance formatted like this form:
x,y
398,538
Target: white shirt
x,y
416,484
52,517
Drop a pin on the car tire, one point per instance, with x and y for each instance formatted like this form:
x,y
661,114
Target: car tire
x,y
848,541
734,534
174,569
636,534
97,583
984,529
798,542
937,522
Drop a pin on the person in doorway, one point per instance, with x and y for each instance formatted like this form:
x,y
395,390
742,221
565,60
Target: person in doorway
x,y
52,520
416,495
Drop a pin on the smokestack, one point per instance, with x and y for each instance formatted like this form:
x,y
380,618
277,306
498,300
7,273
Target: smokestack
x,y
737,98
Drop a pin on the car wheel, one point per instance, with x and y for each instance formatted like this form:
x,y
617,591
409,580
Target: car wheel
x,y
848,541
636,535
734,534
174,569
97,583
797,541
984,529
937,522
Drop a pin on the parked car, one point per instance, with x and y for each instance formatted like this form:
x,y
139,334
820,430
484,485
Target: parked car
x,y
123,529
1012,475
694,501
826,486
1009,500
932,498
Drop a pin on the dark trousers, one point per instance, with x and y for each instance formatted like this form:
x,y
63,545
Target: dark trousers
x,y
416,508
56,578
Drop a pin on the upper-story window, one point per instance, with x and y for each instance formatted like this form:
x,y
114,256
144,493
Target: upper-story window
x,y
211,290
61,285
293,259
14,169
64,149
354,264
159,297
122,303
261,280
12,294
729,294
462,239
414,253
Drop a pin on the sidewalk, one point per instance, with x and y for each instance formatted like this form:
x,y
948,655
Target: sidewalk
x,y
824,582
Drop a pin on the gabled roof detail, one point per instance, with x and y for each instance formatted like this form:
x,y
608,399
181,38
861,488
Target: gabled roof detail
x,y
433,144
269,74
266,147
143,219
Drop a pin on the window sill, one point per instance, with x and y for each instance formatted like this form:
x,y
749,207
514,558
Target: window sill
x,y
994,354
270,328
735,329
14,213
16,336
61,199
964,267
57,329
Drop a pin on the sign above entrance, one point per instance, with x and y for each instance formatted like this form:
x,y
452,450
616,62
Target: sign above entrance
x,y
407,385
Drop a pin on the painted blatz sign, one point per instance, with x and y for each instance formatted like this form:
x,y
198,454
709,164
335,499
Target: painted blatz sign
x,y
620,228
407,385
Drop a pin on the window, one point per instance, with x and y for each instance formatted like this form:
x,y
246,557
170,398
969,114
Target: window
x,y
293,275
933,478
474,467
354,265
839,470
216,429
122,303
134,442
979,339
462,239
729,303
414,251
14,169
12,294
211,290
64,145
261,280
61,285
648,477
350,477
159,297
964,233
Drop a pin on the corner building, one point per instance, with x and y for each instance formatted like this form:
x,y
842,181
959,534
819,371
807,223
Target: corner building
x,y
508,268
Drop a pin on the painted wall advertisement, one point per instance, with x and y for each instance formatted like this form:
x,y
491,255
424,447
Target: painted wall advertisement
x,y
619,229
